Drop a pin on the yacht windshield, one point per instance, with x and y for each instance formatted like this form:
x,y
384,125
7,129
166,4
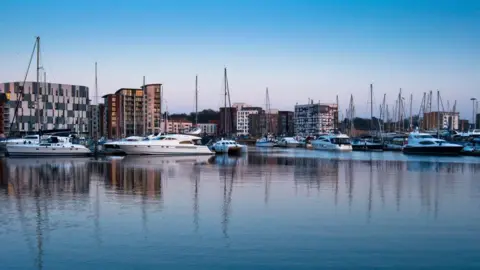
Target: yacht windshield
x,y
424,136
340,140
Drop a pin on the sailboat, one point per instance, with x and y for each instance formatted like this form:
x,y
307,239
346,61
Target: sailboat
x,y
368,142
224,145
268,140
48,145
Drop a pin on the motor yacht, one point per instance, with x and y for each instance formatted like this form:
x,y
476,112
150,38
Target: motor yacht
x,y
424,143
170,144
332,142
472,148
367,143
288,142
228,147
49,146
396,143
266,141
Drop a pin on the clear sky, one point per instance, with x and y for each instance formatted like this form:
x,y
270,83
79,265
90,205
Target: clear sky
x,y
299,49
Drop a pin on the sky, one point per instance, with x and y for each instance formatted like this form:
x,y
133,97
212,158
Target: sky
x,y
299,49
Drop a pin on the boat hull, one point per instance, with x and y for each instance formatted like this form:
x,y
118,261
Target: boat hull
x,y
38,151
231,150
332,147
264,144
367,147
288,145
149,149
433,150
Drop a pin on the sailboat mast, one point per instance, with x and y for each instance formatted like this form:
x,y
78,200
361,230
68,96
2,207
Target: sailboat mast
x,y
96,132
225,104
411,117
438,114
45,87
37,85
196,100
338,117
371,107
144,108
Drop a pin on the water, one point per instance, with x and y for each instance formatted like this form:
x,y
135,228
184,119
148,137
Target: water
x,y
266,210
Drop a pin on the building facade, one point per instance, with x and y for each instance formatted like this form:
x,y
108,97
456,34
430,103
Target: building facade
x,y
133,112
477,121
285,124
208,128
243,119
315,118
96,117
59,106
178,125
448,120
228,120
463,125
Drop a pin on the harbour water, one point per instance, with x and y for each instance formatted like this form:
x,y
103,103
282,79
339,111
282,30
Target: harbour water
x,y
275,209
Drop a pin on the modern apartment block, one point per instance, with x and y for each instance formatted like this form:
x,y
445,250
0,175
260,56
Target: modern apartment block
x,y
59,106
285,123
133,111
447,120
243,119
208,128
96,118
315,118
178,125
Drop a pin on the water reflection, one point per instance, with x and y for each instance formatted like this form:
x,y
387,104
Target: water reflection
x,y
239,198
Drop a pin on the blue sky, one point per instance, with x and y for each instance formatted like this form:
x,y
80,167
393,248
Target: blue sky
x,y
299,49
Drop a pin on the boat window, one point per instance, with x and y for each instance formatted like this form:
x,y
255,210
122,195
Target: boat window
x,y
186,142
340,140
53,140
31,137
426,142
424,136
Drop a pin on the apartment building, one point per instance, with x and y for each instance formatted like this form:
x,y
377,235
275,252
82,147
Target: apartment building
x,y
447,120
133,111
178,125
208,128
53,106
315,118
243,119
285,123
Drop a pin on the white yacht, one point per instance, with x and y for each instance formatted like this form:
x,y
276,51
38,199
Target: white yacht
x,y
424,143
170,144
332,142
288,142
49,146
228,147
266,141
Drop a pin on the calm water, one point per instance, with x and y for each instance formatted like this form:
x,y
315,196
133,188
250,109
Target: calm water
x,y
266,210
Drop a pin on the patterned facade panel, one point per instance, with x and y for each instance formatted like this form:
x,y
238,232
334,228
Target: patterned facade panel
x,y
49,108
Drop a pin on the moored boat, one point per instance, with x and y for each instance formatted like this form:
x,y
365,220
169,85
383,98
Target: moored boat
x,y
426,144
266,142
288,142
332,142
367,143
50,146
170,144
228,147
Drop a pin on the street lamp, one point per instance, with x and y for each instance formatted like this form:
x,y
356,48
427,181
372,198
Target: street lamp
x,y
473,111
